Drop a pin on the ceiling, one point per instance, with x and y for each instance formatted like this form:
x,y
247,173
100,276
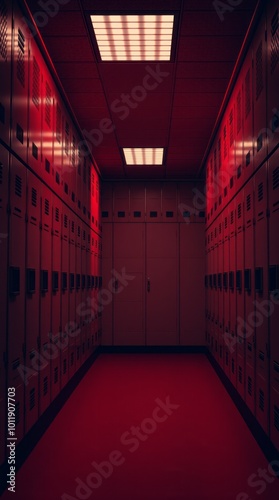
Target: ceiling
x,y
179,113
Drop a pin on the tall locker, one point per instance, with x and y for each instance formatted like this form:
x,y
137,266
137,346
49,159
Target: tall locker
x,y
128,284
261,293
238,345
220,271
272,74
121,203
239,112
35,109
259,97
47,349
32,298
58,147
4,201
192,270
161,284
231,145
137,202
64,292
169,202
19,94
273,191
232,292
16,287
249,287
5,69
153,202
107,202
247,78
56,276
71,328
226,328
78,317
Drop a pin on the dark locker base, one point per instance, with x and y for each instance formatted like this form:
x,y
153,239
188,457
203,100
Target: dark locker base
x,y
260,436
29,441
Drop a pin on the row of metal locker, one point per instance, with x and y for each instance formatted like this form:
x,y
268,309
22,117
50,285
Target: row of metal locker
x,y
50,277
242,293
249,130
35,121
153,202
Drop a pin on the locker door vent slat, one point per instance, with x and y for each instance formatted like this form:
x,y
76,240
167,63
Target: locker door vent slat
x,y
260,191
274,41
67,138
65,221
169,214
55,375
239,211
261,400
240,374
73,151
249,386
72,358
34,151
34,197
226,222
238,112
32,395
247,94
46,206
17,413
18,186
259,70
231,128
276,366
36,83
153,214
261,355
57,214
248,202
48,105
276,417
20,71
45,386
225,141
15,363
275,178
238,171
14,280
121,214
44,281
3,30
232,217
233,366
58,124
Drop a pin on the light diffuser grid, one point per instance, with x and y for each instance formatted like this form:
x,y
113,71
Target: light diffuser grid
x,y
143,156
134,38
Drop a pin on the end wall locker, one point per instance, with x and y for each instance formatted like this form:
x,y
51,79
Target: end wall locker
x,y
161,287
121,203
261,298
259,96
56,173
169,202
107,202
19,124
273,191
71,328
5,69
249,290
272,74
192,270
46,295
153,202
137,202
65,285
128,306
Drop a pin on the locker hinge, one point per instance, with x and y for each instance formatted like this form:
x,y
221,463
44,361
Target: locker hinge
x,y
40,226
254,222
268,212
39,342
26,218
9,209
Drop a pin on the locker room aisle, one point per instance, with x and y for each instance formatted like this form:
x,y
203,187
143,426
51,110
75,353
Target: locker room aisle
x,y
196,447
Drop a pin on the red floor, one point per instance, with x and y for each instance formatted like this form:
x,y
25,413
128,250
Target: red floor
x,y
198,447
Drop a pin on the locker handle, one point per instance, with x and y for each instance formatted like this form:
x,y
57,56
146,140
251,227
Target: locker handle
x,y
148,284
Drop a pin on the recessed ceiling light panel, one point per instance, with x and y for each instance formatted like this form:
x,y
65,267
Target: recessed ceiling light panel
x,y
134,38
144,156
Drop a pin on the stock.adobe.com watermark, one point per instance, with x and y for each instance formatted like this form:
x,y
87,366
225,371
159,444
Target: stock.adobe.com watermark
x,y
259,481
130,441
49,9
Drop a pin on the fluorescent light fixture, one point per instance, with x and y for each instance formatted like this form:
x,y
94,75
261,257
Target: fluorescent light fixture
x,y
134,38
144,156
